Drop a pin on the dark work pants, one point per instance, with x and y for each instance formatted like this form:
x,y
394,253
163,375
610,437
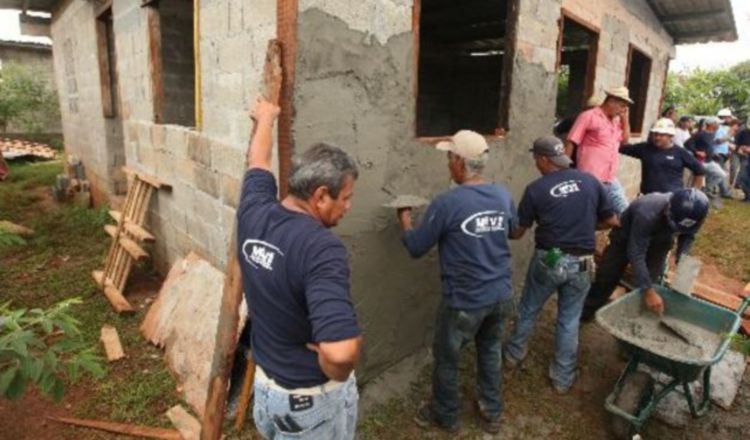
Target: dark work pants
x,y
613,265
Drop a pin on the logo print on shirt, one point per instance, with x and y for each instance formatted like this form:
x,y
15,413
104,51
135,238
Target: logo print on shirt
x,y
687,223
670,157
259,253
564,189
483,223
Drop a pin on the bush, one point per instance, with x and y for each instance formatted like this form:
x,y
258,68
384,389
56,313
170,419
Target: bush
x,y
44,348
26,100
703,92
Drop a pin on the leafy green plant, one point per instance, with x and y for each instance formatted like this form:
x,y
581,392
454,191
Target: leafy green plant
x,y
8,239
742,344
43,347
26,100
704,92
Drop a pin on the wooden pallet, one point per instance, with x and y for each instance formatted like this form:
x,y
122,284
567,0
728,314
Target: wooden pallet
x,y
127,237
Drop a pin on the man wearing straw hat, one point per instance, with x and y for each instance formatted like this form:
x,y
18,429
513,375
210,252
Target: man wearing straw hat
x,y
598,134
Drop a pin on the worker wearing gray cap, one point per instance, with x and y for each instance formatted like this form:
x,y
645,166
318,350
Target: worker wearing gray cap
x,y
567,205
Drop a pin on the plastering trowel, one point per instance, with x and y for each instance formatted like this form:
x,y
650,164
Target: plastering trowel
x,y
406,201
678,328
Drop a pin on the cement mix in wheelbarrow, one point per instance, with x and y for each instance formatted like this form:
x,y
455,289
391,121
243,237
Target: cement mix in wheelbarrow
x,y
647,330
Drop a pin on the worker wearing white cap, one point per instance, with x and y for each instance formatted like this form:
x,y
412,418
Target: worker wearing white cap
x,y
662,162
723,137
470,224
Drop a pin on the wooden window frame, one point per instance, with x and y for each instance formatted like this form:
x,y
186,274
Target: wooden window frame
x,y
641,101
591,63
109,109
507,73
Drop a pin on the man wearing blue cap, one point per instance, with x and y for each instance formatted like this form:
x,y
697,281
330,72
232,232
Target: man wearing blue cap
x,y
567,205
645,237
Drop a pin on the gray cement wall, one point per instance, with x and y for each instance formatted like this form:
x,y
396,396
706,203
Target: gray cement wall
x,y
354,87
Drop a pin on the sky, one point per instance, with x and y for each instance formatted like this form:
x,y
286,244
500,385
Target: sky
x,y
708,56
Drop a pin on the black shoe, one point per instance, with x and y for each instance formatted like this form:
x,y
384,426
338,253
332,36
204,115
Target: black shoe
x,y
425,419
489,425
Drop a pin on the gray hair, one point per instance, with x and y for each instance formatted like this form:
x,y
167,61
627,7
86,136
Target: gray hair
x,y
474,167
321,165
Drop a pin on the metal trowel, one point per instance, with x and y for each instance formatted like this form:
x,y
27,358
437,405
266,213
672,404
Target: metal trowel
x,y
406,201
678,328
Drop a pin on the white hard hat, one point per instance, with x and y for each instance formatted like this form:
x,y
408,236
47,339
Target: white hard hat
x,y
724,113
663,126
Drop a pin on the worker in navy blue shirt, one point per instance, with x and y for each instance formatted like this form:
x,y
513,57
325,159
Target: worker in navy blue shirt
x,y
662,162
295,274
568,206
646,235
470,224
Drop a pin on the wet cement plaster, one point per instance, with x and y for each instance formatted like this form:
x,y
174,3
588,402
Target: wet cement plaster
x,y
358,93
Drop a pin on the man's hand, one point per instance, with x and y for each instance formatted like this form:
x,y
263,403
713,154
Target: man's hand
x,y
259,153
264,111
653,301
337,359
404,218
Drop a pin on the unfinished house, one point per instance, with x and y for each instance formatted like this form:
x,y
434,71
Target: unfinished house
x,y
165,86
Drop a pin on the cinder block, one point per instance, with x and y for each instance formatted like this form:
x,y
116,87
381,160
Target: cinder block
x,y
227,159
158,137
199,149
176,141
230,190
207,181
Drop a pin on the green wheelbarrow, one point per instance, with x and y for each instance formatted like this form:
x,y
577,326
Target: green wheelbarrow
x,y
636,393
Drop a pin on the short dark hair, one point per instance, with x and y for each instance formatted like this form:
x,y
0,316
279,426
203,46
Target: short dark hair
x,y
321,165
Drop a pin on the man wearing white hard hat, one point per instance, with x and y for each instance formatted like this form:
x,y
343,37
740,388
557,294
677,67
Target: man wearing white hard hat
x,y
598,134
470,224
662,162
723,137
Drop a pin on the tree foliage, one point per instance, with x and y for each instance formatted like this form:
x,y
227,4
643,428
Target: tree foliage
x,y
44,348
704,92
26,100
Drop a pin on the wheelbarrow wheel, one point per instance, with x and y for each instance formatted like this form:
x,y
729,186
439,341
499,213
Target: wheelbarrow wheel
x,y
635,394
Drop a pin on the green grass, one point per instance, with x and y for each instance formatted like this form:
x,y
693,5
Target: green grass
x,y
56,263
725,240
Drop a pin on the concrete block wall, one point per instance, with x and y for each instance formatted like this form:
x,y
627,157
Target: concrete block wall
x,y
205,167
87,133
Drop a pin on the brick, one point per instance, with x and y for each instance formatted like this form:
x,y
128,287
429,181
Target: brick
x,y
199,149
207,181
230,190
158,137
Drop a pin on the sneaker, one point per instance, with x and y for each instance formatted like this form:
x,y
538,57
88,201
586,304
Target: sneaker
x,y
490,425
509,362
425,419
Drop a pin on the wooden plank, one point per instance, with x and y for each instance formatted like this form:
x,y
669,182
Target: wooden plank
x,y
111,341
226,333
189,426
746,291
135,230
148,178
745,328
727,301
155,63
133,249
121,428
119,303
105,81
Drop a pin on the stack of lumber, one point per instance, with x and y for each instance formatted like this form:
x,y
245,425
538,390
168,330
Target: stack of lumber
x,y
16,149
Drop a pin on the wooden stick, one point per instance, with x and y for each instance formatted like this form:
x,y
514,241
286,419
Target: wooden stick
x,y
111,342
122,428
189,426
247,392
226,333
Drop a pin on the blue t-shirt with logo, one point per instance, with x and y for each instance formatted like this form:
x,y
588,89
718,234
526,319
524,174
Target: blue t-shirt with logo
x,y
470,224
295,274
566,205
662,169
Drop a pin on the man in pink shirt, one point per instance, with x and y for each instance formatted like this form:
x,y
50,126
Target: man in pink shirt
x,y
598,134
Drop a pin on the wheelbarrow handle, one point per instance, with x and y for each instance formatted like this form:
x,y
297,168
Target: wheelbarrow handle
x,y
745,304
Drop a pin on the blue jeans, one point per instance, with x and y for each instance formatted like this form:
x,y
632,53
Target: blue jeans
x,y
744,179
455,328
542,282
333,415
716,179
616,196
